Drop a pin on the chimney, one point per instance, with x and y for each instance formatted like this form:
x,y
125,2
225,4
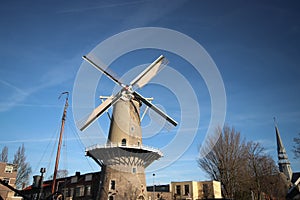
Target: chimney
x,y
36,181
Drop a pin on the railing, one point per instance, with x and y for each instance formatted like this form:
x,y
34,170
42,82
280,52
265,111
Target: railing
x,y
112,145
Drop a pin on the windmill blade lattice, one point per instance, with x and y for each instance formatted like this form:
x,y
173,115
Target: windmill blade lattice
x,y
97,112
143,78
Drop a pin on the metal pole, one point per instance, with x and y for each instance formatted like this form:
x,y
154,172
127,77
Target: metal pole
x,y
59,143
153,187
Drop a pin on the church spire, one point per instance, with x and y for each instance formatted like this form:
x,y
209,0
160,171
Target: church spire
x,y
283,161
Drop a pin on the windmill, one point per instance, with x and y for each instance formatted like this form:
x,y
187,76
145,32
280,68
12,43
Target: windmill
x,y
123,158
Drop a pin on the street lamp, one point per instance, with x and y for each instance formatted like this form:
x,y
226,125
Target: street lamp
x,y
153,187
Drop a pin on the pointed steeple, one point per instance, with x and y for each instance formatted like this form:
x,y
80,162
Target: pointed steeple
x,y
283,161
280,148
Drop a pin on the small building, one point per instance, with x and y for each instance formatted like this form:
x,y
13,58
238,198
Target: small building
x,y
196,190
186,190
8,174
76,187
161,192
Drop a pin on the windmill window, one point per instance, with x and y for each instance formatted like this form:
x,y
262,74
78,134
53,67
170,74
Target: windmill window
x,y
112,184
132,128
124,142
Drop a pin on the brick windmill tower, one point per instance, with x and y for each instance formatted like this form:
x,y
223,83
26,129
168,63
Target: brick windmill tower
x,y
123,158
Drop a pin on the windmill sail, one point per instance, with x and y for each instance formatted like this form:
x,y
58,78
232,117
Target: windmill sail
x,y
149,72
97,112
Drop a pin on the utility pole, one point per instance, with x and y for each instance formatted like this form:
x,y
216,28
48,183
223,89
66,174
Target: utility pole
x,y
59,142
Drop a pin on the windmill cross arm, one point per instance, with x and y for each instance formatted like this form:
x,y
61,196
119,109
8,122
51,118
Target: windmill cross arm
x,y
103,71
104,97
156,109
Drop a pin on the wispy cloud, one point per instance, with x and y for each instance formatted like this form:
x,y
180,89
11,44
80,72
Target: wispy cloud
x,y
16,95
150,12
13,97
37,140
102,6
269,145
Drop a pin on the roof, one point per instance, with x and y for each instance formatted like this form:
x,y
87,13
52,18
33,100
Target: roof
x,y
31,187
48,183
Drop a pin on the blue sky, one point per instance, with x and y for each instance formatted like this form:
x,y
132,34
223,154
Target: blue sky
x,y
255,45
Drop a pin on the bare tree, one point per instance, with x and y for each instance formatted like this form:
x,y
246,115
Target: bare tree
x,y
225,160
23,167
296,147
243,169
4,154
271,181
261,169
254,167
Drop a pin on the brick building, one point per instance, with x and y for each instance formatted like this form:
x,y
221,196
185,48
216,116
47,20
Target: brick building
x,y
8,173
76,187
87,187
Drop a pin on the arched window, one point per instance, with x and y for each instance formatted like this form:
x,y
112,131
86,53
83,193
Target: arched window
x,y
123,142
111,198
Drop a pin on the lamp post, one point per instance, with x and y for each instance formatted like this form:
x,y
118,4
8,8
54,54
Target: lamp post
x,y
153,187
